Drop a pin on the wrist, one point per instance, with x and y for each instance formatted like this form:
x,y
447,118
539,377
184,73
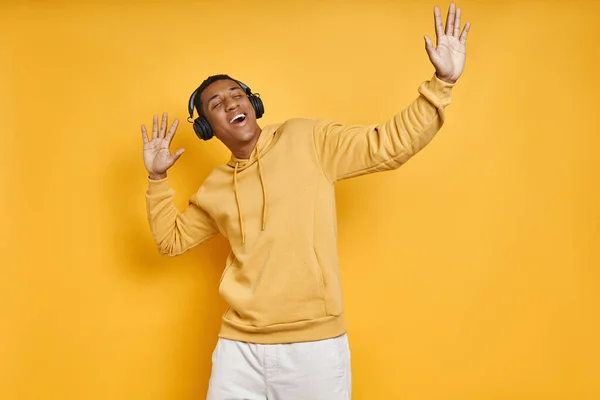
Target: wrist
x,y
446,79
157,177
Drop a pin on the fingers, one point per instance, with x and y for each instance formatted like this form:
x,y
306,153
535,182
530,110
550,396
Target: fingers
x,y
160,133
172,131
456,30
465,33
155,127
439,27
450,19
429,47
163,126
144,134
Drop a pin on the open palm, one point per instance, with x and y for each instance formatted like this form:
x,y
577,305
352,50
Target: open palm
x,y
449,55
157,156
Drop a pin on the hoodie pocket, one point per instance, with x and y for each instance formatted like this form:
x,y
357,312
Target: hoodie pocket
x,y
227,267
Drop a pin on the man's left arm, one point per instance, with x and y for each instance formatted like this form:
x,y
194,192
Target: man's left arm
x,y
346,151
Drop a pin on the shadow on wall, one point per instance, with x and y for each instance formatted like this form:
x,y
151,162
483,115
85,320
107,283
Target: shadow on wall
x,y
197,271
133,237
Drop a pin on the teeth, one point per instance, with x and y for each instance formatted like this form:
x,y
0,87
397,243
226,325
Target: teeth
x,y
237,117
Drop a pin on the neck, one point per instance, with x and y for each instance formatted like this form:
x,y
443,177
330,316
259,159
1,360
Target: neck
x,y
244,150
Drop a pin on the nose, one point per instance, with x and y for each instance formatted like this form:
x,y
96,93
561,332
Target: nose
x,y
231,104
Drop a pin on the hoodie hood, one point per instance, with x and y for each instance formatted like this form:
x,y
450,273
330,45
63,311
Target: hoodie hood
x,y
265,142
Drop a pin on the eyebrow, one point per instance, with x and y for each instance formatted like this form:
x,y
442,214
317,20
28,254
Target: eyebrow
x,y
217,95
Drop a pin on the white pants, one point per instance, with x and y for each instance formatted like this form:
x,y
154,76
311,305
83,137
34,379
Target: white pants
x,y
318,370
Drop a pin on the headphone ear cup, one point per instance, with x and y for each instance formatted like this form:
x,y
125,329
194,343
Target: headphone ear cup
x,y
258,106
202,128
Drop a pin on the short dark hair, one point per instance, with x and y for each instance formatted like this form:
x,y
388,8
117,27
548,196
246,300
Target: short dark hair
x,y
204,85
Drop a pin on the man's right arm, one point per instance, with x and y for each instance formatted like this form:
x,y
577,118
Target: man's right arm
x,y
176,232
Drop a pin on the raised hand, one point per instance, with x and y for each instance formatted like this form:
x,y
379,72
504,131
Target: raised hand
x,y
157,157
449,55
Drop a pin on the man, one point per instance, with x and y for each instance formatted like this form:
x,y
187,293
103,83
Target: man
x,y
284,335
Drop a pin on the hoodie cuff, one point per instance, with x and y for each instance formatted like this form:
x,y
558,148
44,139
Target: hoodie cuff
x,y
438,91
442,83
158,185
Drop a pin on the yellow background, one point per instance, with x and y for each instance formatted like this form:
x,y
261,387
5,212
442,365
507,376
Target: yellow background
x,y
470,273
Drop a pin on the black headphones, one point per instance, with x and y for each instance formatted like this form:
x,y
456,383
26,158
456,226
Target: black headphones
x,y
201,125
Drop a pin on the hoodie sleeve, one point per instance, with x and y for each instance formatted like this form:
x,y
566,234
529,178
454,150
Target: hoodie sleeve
x,y
347,151
176,232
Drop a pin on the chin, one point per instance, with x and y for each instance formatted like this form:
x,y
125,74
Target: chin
x,y
247,134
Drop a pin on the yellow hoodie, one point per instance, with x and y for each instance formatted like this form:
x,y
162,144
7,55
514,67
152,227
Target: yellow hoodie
x,y
277,209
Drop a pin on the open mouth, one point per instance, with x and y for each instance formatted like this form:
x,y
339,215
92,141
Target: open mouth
x,y
238,119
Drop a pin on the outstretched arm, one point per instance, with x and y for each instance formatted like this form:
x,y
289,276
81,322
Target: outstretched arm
x,y
174,232
347,151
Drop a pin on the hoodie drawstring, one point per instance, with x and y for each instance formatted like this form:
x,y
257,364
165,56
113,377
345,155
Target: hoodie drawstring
x,y
264,190
237,196
237,200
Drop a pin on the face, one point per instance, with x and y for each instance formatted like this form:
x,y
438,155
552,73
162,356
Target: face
x,y
230,113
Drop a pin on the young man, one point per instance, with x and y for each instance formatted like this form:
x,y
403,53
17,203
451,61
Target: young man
x,y
284,335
